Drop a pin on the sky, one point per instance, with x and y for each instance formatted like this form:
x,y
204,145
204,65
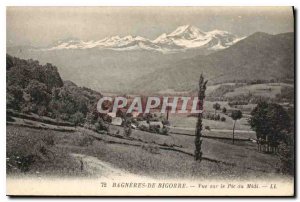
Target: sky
x,y
41,26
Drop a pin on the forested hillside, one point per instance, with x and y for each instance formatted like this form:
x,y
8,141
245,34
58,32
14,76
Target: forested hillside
x,y
35,88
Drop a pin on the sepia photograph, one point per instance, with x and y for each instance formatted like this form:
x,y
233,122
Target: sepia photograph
x,y
150,101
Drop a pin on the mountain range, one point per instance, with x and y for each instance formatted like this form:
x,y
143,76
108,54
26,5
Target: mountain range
x,y
123,67
260,56
183,38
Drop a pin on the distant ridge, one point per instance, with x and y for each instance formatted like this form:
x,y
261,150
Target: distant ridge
x,y
181,39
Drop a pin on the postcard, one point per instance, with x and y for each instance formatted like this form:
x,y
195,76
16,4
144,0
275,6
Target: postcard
x,y
150,101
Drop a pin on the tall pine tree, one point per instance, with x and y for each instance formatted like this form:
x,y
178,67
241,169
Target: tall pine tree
x,y
198,134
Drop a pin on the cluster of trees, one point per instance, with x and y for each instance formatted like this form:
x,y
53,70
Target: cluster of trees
x,y
274,125
154,129
35,88
235,115
270,121
234,103
214,117
287,95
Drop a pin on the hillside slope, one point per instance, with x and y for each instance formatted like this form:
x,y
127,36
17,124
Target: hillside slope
x,y
259,56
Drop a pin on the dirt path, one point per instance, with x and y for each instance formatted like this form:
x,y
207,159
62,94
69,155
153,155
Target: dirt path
x,y
103,170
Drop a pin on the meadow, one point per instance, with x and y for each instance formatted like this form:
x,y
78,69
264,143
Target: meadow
x,y
143,153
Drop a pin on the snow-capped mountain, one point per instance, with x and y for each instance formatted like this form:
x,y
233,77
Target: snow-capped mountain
x,y
188,37
183,38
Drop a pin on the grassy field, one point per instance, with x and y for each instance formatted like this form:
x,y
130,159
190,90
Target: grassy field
x,y
178,120
264,90
145,154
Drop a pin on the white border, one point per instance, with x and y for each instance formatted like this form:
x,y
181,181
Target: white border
x,y
5,3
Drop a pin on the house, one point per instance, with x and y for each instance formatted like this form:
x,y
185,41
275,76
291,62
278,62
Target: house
x,y
117,121
112,114
135,114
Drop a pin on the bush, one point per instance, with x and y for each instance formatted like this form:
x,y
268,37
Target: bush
x,y
143,127
25,162
154,129
207,128
217,117
127,131
77,118
101,126
164,131
21,162
151,148
86,141
48,139
166,123
223,119
140,118
286,156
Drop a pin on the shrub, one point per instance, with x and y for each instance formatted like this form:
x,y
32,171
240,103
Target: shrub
x,y
223,119
21,162
86,141
286,153
164,131
48,139
100,125
207,128
286,156
151,148
143,127
217,117
154,129
166,122
127,131
77,118
140,118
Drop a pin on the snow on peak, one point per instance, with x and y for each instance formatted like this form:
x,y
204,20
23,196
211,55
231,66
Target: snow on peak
x,y
187,31
187,37
182,38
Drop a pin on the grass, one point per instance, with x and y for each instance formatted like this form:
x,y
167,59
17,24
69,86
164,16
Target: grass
x,y
183,121
264,90
21,142
140,155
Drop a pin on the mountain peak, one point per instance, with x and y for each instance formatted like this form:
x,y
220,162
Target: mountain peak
x,y
189,36
188,31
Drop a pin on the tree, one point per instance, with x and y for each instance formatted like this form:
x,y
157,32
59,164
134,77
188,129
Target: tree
x,y
101,126
235,115
271,122
168,110
127,127
38,92
286,154
198,134
224,110
77,118
14,97
216,106
9,62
